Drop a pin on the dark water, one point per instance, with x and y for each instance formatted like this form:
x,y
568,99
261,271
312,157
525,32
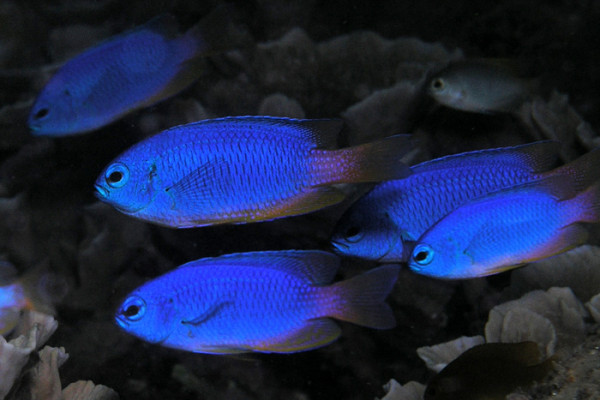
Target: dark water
x,y
103,254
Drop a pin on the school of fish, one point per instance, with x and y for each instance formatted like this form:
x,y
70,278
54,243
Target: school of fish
x,y
460,216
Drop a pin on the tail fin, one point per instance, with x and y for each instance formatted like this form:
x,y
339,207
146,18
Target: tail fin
x,y
370,162
218,32
361,298
587,204
43,288
583,172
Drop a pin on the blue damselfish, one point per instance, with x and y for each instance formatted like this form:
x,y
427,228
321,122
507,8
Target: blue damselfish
x,y
242,169
130,71
36,290
508,228
397,212
274,301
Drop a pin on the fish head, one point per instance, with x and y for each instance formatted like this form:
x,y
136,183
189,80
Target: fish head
x,y
447,91
373,237
57,111
147,314
127,184
441,258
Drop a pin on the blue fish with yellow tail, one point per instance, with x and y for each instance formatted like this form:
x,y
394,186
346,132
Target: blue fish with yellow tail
x,y
398,212
508,228
242,169
124,73
273,302
36,290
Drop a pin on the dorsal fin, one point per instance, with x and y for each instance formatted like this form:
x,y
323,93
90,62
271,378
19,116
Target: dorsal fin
x,y
535,157
315,266
583,171
165,24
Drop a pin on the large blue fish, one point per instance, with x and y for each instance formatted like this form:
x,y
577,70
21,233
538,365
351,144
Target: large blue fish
x,y
130,71
397,212
508,228
275,301
242,169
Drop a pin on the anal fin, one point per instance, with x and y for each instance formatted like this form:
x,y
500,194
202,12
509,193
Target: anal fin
x,y
311,200
315,333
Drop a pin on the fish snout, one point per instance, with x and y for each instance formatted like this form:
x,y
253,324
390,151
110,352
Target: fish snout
x,y
339,246
100,192
121,320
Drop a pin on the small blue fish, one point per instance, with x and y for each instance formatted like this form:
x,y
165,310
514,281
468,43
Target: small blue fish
x,y
124,73
508,228
36,290
273,302
394,213
242,169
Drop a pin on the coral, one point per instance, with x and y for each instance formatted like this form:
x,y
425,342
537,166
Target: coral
x,y
594,307
41,380
555,119
31,333
279,105
525,319
578,269
86,390
408,391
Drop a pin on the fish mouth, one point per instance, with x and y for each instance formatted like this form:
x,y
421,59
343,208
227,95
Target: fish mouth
x,y
121,321
103,195
100,192
339,246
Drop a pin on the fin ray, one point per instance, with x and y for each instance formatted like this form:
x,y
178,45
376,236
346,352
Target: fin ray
x,y
363,298
370,162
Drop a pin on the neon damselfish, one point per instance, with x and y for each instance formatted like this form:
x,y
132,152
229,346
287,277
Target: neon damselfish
x,y
394,214
129,71
508,228
274,301
243,169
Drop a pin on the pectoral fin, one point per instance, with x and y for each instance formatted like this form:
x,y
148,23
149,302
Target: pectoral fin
x,y
199,186
207,314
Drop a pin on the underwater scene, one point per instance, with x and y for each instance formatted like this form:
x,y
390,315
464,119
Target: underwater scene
x,y
299,200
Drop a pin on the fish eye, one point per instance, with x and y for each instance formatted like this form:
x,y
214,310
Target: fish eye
x,y
437,84
353,234
42,112
134,308
117,175
423,255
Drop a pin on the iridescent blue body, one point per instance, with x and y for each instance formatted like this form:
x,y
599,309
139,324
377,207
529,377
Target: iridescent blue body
x,y
507,228
124,73
12,297
277,301
242,169
398,212
12,301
